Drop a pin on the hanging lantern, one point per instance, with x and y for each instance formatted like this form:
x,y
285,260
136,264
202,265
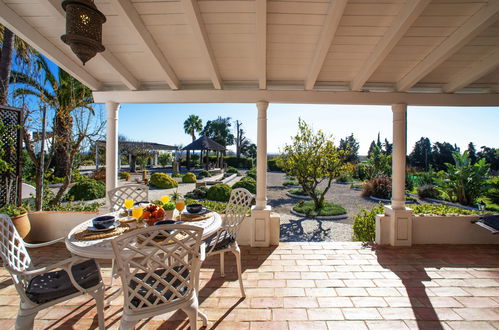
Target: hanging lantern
x,y
83,28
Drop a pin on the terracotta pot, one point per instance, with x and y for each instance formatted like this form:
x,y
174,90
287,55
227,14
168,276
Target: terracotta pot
x,y
22,224
168,214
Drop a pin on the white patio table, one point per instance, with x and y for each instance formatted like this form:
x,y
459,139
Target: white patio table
x,y
102,249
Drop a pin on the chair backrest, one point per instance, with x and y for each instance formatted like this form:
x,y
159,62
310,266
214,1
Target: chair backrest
x,y
12,248
158,266
237,208
117,196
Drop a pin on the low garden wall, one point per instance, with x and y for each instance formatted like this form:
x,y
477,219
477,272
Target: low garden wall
x,y
437,229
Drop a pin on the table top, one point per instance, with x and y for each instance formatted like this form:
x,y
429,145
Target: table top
x,y
102,249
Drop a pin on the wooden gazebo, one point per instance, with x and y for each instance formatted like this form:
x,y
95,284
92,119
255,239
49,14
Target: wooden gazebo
x,y
204,144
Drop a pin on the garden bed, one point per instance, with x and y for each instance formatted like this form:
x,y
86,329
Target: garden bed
x,y
330,211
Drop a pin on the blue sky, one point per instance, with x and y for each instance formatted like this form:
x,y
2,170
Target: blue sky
x,y
163,123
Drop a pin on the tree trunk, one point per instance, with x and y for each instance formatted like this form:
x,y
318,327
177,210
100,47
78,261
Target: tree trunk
x,y
5,64
133,164
62,129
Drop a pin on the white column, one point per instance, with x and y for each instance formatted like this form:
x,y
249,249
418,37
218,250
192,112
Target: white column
x,y
400,232
399,155
112,109
261,156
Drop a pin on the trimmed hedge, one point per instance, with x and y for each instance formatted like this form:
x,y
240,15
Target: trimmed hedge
x,y
87,190
189,178
162,180
219,192
273,166
247,183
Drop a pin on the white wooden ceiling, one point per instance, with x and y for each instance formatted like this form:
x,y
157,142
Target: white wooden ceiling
x,y
429,46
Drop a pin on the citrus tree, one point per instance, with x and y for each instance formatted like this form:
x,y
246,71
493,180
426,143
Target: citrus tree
x,y
313,159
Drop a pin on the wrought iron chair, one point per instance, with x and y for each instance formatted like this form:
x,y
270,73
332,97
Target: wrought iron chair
x,y
225,239
117,196
40,288
159,270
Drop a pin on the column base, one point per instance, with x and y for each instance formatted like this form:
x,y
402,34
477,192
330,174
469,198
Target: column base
x,y
260,226
400,225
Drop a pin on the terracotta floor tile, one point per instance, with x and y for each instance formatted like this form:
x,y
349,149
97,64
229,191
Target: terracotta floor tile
x,y
346,325
397,313
383,292
288,314
269,325
435,314
334,302
309,325
403,302
266,302
361,313
288,275
303,302
386,325
351,292
320,292
477,302
471,314
449,292
325,314
470,325
369,302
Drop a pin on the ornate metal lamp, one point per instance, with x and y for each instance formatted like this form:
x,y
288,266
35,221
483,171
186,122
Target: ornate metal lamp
x,y
83,28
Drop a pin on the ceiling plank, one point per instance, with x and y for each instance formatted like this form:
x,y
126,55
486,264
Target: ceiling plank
x,y
261,39
296,97
29,34
473,73
403,21
199,30
129,14
333,17
126,77
486,16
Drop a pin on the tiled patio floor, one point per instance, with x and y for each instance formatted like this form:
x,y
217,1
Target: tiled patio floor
x,y
316,286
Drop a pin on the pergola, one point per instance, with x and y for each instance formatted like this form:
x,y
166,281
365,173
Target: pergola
x,y
206,144
394,52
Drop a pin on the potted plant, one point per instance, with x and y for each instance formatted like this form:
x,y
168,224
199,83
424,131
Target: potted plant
x,y
169,208
19,216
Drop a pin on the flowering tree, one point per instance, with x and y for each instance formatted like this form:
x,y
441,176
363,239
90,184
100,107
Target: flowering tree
x,y
313,159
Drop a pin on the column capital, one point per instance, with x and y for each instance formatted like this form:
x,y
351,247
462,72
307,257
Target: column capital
x,y
111,105
399,107
262,105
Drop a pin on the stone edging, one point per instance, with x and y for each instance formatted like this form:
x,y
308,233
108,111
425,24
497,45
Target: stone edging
x,y
298,196
322,217
376,199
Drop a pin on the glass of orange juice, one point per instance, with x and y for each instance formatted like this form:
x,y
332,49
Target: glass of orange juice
x,y
137,213
128,204
165,199
179,205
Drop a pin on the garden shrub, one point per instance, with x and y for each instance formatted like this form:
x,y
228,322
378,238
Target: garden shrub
x,y
87,190
125,175
290,183
410,182
247,183
198,193
493,191
344,177
233,170
301,192
428,191
212,205
308,208
88,162
380,187
251,173
162,180
426,178
364,224
203,174
360,172
189,177
273,165
176,175
219,192
439,209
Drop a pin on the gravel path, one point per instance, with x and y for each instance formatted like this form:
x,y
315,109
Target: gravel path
x,y
294,228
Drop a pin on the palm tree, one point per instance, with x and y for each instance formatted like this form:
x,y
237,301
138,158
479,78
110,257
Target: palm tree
x,y
62,92
192,125
10,42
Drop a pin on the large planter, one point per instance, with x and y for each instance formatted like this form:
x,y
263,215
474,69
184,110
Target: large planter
x,y
22,224
49,225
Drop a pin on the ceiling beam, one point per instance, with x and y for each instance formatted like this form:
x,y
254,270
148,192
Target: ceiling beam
x,y
331,22
296,97
56,10
261,42
482,19
199,30
402,22
473,73
129,14
29,34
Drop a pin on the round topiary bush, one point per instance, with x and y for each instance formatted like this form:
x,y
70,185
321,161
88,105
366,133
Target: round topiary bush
x,y
247,183
219,192
162,180
87,190
189,178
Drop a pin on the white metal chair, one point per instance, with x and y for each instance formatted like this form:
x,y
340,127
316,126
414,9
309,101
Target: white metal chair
x,y
44,287
225,239
117,196
159,270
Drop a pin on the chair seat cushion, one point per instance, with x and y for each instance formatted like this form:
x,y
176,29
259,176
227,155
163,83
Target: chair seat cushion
x,y
176,282
224,242
53,285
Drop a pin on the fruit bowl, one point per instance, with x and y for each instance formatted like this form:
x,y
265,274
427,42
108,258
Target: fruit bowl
x,y
153,213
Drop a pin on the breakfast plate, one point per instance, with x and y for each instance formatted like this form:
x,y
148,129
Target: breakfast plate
x,y
92,228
